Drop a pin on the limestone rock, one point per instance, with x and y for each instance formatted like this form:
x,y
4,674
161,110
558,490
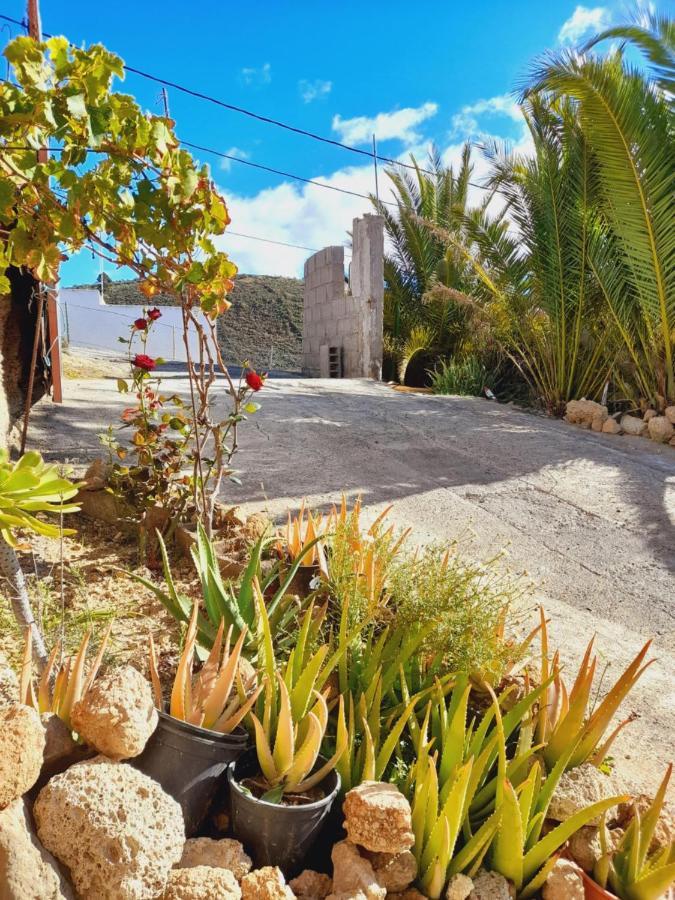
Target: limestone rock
x,y
115,828
633,425
564,882
660,429
267,883
611,426
584,847
225,853
202,883
377,816
669,413
354,874
459,887
394,871
9,684
649,414
310,885
27,871
97,475
117,715
584,412
664,833
22,744
577,789
491,886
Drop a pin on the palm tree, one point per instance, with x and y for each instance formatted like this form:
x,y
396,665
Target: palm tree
x,y
627,122
425,276
535,286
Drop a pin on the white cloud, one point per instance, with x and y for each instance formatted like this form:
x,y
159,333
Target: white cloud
x,y
253,76
467,121
226,164
314,90
315,218
584,21
399,124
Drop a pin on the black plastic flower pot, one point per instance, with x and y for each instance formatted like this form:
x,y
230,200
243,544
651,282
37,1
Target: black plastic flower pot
x,y
276,835
189,762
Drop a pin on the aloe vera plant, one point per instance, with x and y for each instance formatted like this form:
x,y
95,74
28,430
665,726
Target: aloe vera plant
x,y
235,604
519,851
303,539
564,716
61,683
631,870
223,692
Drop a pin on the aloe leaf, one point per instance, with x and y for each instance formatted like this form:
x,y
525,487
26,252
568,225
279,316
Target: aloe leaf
x,y
546,847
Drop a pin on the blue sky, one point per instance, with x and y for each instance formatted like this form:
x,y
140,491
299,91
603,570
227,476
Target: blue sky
x,y
414,73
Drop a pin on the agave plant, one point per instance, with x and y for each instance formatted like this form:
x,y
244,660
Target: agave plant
x,y
63,681
224,690
564,716
29,486
631,870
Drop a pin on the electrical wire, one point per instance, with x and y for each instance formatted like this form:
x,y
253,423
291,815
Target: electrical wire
x,y
199,95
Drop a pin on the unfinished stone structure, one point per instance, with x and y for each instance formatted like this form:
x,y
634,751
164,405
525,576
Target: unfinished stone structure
x,y
342,320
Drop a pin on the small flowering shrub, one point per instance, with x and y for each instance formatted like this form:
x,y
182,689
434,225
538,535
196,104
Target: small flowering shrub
x,y
160,464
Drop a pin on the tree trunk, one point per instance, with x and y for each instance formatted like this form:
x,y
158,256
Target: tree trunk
x,y
18,596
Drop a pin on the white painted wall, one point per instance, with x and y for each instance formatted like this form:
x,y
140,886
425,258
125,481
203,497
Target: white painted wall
x,y
88,321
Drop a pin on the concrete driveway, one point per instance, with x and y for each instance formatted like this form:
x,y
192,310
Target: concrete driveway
x,y
590,517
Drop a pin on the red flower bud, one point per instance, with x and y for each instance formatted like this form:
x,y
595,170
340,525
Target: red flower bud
x,y
141,361
254,381
154,314
140,324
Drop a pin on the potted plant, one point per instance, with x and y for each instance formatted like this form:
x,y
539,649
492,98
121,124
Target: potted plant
x,y
201,732
282,790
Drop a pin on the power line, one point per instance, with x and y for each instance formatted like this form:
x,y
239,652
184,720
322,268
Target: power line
x,y
266,119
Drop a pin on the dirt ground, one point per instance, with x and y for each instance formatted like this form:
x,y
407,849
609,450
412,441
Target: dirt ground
x,y
590,518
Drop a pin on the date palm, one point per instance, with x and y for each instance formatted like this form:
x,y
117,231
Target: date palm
x,y
425,277
627,121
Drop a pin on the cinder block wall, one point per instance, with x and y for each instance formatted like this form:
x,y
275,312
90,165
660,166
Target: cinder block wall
x,y
330,316
334,316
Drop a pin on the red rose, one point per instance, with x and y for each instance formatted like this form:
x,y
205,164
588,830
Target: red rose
x,y
254,381
154,314
141,361
140,324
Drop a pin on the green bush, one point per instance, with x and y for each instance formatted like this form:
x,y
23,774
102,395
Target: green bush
x,y
466,377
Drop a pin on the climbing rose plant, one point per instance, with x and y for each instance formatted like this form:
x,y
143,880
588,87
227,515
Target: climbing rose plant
x,y
117,182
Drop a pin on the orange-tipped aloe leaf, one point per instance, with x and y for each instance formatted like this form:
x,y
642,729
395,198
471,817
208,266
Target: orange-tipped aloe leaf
x,y
44,687
227,726
181,692
217,699
284,744
304,758
76,679
265,758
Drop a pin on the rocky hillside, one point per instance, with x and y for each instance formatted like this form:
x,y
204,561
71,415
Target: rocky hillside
x,y
264,325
